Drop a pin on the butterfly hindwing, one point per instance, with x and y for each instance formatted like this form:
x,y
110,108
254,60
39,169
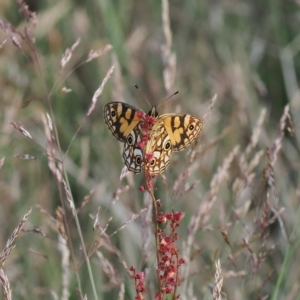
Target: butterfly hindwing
x,y
161,148
133,155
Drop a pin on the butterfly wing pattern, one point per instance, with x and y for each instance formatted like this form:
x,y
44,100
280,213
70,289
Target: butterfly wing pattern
x,y
123,122
170,133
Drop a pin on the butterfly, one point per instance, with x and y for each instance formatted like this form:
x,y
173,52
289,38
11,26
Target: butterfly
x,y
151,146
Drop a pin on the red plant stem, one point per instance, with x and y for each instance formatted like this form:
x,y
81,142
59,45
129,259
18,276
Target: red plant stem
x,y
150,191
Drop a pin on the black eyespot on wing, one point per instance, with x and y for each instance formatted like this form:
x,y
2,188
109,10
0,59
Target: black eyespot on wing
x,y
130,140
191,127
138,160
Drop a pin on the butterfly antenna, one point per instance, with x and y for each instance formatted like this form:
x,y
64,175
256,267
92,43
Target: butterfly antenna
x,y
142,95
177,92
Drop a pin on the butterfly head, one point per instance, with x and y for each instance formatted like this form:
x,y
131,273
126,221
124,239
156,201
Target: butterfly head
x,y
153,112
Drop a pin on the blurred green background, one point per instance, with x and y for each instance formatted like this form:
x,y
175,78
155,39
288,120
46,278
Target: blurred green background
x,y
246,52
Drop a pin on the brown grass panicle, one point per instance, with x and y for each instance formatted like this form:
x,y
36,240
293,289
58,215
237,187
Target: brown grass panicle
x,y
9,247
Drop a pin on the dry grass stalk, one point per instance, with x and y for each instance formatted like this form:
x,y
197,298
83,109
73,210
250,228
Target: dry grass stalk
x,y
221,175
169,58
290,126
11,33
203,148
21,128
51,146
181,187
121,295
218,282
4,282
109,270
232,274
69,196
65,264
99,90
204,209
256,132
124,173
29,16
117,193
278,142
80,296
97,53
85,159
9,244
96,219
225,236
247,176
6,252
60,223
86,200
146,230
56,166
2,160
118,86
272,155
132,218
3,43
212,104
104,241
62,247
68,54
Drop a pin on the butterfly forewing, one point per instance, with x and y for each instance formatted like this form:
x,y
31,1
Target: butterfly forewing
x,y
120,118
182,129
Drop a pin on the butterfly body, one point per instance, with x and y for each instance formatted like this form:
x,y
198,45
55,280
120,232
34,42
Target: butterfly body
x,y
168,133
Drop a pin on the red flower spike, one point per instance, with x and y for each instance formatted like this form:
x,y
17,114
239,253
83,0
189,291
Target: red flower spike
x,y
169,216
158,297
181,261
150,120
178,216
161,218
140,276
140,115
169,290
167,239
142,188
170,277
165,258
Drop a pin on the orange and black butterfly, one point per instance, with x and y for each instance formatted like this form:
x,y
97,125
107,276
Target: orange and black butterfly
x,y
169,133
